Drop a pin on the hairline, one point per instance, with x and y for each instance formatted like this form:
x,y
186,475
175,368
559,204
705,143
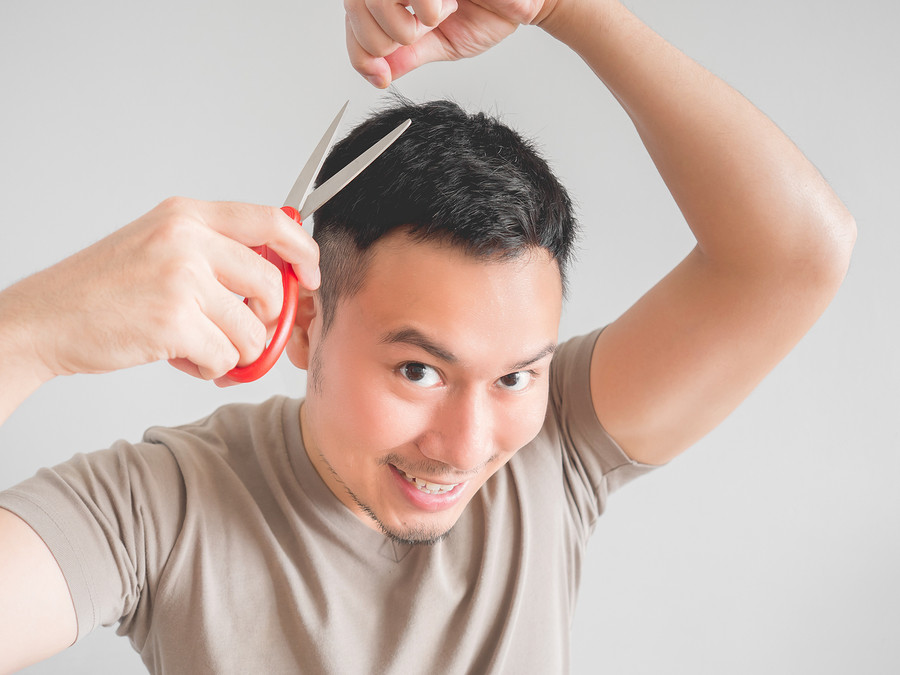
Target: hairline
x,y
353,282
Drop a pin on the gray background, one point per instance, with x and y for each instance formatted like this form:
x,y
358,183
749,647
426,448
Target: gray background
x,y
769,547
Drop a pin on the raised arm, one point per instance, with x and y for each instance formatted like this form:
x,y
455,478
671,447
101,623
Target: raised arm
x,y
773,241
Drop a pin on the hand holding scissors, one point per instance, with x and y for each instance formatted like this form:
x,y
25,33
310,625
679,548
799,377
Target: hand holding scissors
x,y
299,205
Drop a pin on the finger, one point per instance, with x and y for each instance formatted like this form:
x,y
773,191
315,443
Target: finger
x,y
225,381
374,68
370,35
186,366
432,47
243,271
238,323
398,24
254,225
203,351
306,267
432,12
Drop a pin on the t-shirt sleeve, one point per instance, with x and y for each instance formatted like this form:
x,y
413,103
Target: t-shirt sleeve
x,y
110,518
594,466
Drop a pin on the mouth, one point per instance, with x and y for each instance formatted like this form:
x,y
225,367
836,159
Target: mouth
x,y
427,486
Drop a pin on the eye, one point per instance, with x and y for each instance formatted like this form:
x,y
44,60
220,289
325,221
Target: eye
x,y
420,374
516,381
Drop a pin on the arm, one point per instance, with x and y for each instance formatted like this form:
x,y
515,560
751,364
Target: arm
x,y
163,287
37,618
773,241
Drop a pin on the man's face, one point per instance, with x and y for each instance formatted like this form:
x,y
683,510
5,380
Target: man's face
x,y
428,380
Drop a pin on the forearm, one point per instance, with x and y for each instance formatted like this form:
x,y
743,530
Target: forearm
x,y
164,287
21,370
749,195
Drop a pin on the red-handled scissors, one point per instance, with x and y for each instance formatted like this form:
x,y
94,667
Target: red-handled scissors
x,y
299,205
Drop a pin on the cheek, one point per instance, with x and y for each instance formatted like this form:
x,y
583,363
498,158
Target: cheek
x,y
521,423
366,414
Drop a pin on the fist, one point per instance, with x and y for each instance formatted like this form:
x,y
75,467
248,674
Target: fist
x,y
169,286
389,38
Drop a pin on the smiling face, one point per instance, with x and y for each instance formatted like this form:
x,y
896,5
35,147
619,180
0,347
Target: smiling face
x,y
428,380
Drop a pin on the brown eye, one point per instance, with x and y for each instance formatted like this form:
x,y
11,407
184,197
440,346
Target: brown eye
x,y
515,381
420,374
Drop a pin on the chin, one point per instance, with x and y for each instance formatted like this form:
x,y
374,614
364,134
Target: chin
x,y
413,534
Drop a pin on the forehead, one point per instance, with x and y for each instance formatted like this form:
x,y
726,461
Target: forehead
x,y
470,304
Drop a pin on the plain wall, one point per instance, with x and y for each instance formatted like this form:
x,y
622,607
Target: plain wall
x,y
771,546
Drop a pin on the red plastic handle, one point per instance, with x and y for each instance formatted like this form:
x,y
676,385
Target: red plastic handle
x,y
273,351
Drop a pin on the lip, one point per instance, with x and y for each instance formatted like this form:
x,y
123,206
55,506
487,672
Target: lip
x,y
423,500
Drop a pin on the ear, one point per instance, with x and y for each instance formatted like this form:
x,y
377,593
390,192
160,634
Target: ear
x,y
298,343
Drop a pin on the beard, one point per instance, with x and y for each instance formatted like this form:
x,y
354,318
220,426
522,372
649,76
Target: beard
x,y
416,535
413,535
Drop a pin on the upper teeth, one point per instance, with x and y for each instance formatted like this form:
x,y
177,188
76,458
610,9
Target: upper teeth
x,y
425,486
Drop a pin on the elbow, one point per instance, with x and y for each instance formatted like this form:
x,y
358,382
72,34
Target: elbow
x,y
828,256
841,233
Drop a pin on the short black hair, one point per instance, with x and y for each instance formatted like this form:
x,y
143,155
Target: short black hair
x,y
463,178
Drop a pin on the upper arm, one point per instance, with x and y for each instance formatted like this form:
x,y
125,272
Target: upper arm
x,y
37,617
675,364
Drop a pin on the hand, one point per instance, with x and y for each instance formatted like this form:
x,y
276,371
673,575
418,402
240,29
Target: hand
x,y
168,286
385,41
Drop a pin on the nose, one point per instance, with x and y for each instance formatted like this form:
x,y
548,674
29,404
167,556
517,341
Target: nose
x,y
461,434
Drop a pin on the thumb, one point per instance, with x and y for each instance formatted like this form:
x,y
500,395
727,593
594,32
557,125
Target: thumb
x,y
429,48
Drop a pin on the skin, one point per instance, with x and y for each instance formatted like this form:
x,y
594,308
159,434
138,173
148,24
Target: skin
x,y
773,245
443,398
773,240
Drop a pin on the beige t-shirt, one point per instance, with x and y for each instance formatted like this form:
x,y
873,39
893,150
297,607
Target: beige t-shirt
x,y
218,549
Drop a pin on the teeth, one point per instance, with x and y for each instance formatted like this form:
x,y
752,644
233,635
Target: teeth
x,y
425,486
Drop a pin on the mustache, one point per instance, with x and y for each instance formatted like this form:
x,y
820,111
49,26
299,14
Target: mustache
x,y
432,468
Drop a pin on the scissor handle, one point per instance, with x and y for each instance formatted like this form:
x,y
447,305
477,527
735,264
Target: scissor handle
x,y
273,351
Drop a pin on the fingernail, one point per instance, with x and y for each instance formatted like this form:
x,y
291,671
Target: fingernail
x,y
376,81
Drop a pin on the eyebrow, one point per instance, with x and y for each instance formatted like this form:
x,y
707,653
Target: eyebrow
x,y
546,351
412,336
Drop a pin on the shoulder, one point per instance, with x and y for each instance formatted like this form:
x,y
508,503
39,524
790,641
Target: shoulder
x,y
238,444
234,424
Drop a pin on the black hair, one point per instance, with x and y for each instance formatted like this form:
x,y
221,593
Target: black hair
x,y
463,178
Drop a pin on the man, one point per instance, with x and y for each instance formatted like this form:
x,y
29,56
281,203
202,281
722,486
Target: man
x,y
440,409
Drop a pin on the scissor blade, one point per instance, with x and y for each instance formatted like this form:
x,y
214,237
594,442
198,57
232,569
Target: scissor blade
x,y
297,196
339,181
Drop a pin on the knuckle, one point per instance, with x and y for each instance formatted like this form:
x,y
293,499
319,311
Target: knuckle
x,y
215,370
404,34
173,231
175,204
174,324
272,282
180,278
313,247
245,328
223,356
264,277
256,335
359,60
180,221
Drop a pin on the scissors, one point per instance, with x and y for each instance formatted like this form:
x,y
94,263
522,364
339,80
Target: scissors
x,y
300,205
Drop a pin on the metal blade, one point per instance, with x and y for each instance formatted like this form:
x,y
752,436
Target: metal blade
x,y
297,196
339,181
